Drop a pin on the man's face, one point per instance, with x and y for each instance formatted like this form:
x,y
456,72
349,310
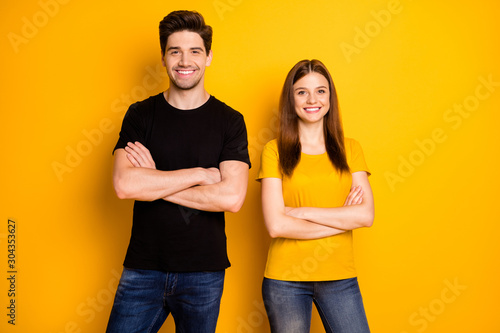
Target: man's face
x,y
185,59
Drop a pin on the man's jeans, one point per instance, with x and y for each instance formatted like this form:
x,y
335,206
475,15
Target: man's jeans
x,y
145,298
339,303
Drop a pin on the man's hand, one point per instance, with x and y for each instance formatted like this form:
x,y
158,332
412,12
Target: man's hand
x,y
139,155
212,176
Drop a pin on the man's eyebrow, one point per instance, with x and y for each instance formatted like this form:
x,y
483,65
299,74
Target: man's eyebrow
x,y
178,48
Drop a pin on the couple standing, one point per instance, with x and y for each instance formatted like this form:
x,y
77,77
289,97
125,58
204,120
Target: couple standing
x,y
182,156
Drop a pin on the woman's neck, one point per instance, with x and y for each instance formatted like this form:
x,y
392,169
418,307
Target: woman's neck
x,y
312,139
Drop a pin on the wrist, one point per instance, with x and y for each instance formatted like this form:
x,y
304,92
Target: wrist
x,y
201,175
297,212
301,213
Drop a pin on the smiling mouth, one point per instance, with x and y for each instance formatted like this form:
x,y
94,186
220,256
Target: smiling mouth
x,y
185,72
316,109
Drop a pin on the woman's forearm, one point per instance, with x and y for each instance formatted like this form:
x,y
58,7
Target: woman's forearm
x,y
344,218
358,210
286,226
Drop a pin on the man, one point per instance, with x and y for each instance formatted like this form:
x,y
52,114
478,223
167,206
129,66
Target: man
x,y
182,155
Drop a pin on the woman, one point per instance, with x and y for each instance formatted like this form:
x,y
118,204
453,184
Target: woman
x,y
315,191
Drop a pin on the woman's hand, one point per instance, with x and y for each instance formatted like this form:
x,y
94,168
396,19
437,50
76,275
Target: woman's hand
x,y
355,196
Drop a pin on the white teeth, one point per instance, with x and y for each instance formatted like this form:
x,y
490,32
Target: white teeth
x,y
312,109
185,72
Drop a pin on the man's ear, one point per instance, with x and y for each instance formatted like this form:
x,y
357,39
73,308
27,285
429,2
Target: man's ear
x,y
163,59
209,58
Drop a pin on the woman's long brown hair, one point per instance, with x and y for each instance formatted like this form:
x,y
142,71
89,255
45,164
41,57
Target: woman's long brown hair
x,y
289,147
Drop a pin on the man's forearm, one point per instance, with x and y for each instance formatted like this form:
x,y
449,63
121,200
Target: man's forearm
x,y
148,184
227,195
212,198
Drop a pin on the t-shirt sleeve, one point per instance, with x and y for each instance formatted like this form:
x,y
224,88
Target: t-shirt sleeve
x,y
133,127
357,158
235,141
269,162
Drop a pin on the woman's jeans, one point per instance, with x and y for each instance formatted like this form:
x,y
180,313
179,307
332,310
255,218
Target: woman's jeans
x,y
339,303
145,298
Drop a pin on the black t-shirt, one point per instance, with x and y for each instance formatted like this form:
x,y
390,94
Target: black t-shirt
x,y
167,236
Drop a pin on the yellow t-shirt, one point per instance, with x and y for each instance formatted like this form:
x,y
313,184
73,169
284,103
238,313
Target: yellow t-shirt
x,y
314,183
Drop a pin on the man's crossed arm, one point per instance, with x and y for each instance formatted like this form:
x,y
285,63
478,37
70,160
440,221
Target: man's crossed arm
x,y
210,189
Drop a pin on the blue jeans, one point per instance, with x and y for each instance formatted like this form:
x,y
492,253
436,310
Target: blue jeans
x,y
339,303
145,298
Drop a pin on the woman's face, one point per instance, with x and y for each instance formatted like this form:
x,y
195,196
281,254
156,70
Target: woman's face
x,y
312,97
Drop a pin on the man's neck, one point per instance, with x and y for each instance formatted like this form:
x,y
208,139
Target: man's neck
x,y
186,99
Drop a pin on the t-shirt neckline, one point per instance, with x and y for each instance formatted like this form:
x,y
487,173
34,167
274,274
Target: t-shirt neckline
x,y
162,97
314,155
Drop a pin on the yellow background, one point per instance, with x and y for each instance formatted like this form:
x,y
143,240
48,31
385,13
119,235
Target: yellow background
x,y
69,69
